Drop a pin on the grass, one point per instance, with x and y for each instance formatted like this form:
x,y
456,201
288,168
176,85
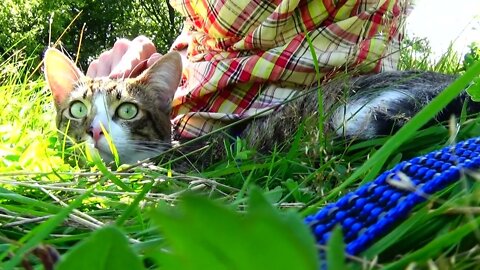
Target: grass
x,y
51,204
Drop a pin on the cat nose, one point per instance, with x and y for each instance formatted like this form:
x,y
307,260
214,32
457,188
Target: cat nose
x,y
95,132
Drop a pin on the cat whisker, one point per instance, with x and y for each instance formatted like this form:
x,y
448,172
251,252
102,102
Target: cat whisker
x,y
138,143
144,146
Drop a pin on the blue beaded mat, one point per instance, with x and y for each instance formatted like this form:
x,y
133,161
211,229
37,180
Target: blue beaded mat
x,y
375,208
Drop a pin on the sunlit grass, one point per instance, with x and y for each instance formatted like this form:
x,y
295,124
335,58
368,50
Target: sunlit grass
x,y
27,129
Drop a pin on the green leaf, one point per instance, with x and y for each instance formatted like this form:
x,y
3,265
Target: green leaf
x,y
205,235
107,248
474,90
336,251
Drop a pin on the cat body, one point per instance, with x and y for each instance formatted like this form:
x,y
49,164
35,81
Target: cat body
x,y
134,113
361,107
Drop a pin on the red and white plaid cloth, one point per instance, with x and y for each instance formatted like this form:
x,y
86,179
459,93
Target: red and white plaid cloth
x,y
244,57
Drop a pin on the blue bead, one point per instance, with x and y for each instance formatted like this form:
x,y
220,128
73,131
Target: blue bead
x,y
344,201
308,219
415,160
468,164
429,174
414,198
333,210
437,165
377,211
383,224
388,193
395,196
379,190
356,227
429,188
452,159
396,215
360,203
459,151
340,216
353,198
330,224
381,179
320,230
353,248
421,172
325,237
357,246
368,207
429,162
372,187
413,169
404,208
446,156
348,222
322,214
445,166
363,190
373,216
406,166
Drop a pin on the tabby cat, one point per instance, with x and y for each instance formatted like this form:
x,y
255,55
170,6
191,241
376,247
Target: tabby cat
x,y
134,113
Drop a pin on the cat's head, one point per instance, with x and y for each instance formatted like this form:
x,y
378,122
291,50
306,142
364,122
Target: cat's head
x,y
133,112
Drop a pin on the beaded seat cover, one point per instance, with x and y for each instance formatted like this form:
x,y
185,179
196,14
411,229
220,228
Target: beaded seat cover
x,y
375,208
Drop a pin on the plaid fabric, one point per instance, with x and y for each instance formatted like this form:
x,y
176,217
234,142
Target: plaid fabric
x,y
245,57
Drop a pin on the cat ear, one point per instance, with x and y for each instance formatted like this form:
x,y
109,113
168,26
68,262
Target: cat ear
x,y
164,76
61,74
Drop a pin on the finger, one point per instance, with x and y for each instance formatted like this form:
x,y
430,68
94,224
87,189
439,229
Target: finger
x,y
153,58
129,61
118,52
146,49
92,69
135,58
146,46
104,64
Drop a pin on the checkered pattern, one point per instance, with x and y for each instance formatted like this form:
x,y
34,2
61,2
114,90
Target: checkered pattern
x,y
245,57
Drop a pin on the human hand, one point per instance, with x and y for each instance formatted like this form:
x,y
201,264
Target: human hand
x,y
127,58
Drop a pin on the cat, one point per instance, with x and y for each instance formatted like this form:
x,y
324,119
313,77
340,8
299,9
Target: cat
x,y
134,113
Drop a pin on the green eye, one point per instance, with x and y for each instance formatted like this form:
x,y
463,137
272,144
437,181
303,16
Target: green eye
x,y
78,109
127,111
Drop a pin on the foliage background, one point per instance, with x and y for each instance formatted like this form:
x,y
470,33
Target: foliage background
x,y
31,25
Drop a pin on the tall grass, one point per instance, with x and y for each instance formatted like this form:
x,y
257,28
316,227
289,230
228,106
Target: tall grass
x,y
49,203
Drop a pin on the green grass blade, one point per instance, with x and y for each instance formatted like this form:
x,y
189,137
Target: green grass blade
x,y
35,236
336,250
435,246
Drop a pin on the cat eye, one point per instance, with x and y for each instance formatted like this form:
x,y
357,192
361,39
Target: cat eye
x,y
78,109
127,111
